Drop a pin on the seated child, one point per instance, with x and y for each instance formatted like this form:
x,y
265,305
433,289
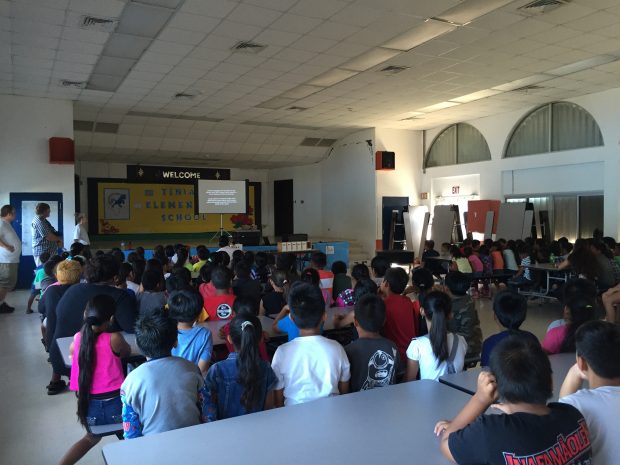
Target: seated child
x,y
244,286
459,262
578,309
219,306
358,272
341,280
474,260
374,360
510,310
273,301
39,274
243,383
596,341
497,257
510,262
194,342
152,296
243,307
439,352
529,431
365,286
162,394
524,274
465,321
379,265
401,322
311,366
283,322
203,255
318,261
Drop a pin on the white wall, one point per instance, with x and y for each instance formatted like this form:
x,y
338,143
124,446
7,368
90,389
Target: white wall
x,y
406,179
27,125
593,170
349,191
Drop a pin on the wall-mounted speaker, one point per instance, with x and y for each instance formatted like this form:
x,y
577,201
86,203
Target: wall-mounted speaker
x,y
385,161
62,151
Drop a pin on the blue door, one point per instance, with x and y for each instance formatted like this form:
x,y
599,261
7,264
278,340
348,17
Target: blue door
x,y
24,204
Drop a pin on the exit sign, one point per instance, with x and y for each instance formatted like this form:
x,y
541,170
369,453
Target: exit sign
x,y
456,189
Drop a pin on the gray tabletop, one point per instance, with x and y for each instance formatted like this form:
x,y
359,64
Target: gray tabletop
x,y
467,381
390,425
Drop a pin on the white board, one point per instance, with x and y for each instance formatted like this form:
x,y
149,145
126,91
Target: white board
x,y
221,196
510,221
416,225
443,224
488,225
527,224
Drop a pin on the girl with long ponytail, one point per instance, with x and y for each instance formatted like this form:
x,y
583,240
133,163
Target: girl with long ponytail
x,y
439,352
96,373
243,383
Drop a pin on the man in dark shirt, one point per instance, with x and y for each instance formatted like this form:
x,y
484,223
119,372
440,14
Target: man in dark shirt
x,y
529,430
374,359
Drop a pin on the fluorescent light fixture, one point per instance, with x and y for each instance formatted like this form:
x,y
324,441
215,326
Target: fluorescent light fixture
x,y
465,12
331,77
369,59
276,103
104,82
143,20
409,115
113,66
125,46
426,31
438,106
476,96
581,65
527,81
301,91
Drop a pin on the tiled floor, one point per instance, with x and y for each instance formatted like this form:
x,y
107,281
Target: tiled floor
x,y
36,429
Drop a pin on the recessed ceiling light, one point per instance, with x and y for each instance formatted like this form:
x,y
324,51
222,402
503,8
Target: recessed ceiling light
x,y
476,96
581,65
332,77
421,34
438,106
526,81
143,20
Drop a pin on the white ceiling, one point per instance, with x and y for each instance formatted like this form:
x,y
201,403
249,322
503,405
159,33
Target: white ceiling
x,y
41,44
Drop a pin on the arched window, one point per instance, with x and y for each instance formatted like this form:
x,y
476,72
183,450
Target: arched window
x,y
459,143
554,127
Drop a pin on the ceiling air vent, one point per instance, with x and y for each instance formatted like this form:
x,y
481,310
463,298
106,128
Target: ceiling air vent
x,y
527,89
108,128
295,108
79,125
248,47
394,69
73,84
310,142
97,23
184,96
539,7
326,142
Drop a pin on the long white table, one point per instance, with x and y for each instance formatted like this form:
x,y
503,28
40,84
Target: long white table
x,y
389,425
64,343
552,274
467,381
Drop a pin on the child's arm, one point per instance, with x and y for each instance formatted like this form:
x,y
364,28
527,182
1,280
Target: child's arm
x,y
412,370
485,395
344,387
285,311
119,345
209,397
261,308
270,401
341,321
132,427
573,381
278,397
203,365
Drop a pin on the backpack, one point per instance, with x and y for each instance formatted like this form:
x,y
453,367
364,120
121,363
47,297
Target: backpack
x,y
453,349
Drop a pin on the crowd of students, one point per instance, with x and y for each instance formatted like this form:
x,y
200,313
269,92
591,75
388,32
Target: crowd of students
x,y
403,328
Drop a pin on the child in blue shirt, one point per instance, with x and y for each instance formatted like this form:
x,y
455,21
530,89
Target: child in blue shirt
x,y
243,383
39,274
194,342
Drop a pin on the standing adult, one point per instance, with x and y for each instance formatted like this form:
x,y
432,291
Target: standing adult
x,y
10,250
44,237
80,234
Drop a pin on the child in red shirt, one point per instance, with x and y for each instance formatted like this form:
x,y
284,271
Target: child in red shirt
x,y
219,306
401,323
318,262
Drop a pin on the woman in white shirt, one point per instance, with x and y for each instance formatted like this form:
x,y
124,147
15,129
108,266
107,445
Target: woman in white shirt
x,y
80,233
439,352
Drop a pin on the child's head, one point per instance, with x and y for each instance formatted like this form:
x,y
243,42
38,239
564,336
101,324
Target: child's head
x,y
359,271
456,252
203,253
50,265
307,305
97,316
260,259
221,277
224,258
436,307
248,257
242,270
364,286
68,272
395,280
44,257
182,273
458,283
510,309
184,306
445,248
155,265
524,250
224,241
151,281
76,248
579,287
125,273
429,245
175,283
370,313
169,251
339,267
318,260
237,257
578,310
205,272
156,334
596,341
140,251
483,250
244,306
279,279
182,256
102,269
118,255
310,275
468,251
422,279
245,335
379,265
522,371
138,268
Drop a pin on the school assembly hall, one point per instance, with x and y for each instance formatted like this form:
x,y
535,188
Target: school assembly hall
x,y
321,131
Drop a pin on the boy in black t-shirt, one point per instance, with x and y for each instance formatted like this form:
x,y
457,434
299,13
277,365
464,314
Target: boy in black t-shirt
x,y
530,430
374,359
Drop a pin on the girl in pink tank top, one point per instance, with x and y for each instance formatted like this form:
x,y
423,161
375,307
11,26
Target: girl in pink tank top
x,y
96,373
